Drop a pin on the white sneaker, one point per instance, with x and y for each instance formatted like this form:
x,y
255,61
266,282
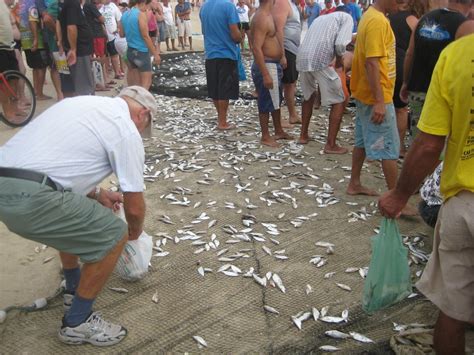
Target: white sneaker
x,y
94,330
67,301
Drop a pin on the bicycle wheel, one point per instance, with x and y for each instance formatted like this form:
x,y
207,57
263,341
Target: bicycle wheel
x,y
18,101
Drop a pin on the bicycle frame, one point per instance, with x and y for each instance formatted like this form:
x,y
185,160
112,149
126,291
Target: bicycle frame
x,y
9,91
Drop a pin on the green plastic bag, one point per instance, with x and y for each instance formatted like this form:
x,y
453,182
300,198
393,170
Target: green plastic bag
x,y
388,280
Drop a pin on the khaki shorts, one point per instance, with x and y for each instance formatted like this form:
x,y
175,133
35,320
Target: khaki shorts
x,y
448,279
65,221
329,84
184,28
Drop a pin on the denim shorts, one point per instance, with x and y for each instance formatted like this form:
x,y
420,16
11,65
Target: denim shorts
x,y
139,60
380,141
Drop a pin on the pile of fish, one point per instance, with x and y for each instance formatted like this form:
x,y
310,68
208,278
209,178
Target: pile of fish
x,y
205,179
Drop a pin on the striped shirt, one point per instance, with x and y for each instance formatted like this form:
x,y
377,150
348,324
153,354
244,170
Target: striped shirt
x,y
327,37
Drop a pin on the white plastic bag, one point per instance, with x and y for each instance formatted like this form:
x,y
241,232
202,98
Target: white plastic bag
x,y
98,73
132,265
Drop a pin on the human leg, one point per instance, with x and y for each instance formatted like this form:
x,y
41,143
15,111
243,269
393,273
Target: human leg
x,y
449,335
289,93
335,119
306,113
145,79
222,107
267,138
56,83
402,125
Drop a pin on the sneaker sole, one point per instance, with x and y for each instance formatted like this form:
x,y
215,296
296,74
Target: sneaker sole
x,y
79,341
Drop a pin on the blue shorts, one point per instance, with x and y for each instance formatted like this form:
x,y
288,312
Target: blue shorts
x,y
268,100
380,141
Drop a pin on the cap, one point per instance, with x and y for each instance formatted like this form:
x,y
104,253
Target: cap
x,y
142,96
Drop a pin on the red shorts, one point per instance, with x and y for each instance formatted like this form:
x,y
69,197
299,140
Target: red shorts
x,y
99,47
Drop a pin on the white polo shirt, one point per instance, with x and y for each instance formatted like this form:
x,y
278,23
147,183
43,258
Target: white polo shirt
x,y
80,141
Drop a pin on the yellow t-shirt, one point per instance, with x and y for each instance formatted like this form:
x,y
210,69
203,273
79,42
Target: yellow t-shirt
x,y
449,111
375,38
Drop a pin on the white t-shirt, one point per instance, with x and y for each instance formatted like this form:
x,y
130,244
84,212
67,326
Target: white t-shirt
x,y
112,16
243,13
168,15
80,141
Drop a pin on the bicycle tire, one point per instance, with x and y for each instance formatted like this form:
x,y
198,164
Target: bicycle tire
x,y
11,75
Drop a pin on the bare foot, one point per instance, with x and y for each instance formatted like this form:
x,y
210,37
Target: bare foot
x,y
335,150
43,97
295,120
270,141
303,140
283,135
360,190
286,124
409,211
226,127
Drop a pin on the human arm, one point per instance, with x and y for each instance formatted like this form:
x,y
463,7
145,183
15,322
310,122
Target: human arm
x,y
120,30
233,23
372,68
134,208
343,38
407,67
280,14
106,198
72,40
466,28
59,37
421,160
143,25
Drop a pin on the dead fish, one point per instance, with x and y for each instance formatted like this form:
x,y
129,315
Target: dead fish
x,y
330,250
223,251
267,250
281,257
165,253
329,348
278,282
345,315
324,244
211,223
48,259
360,338
324,311
270,309
344,287
118,289
329,275
315,313
201,342
308,289
262,281
336,334
300,318
154,298
201,271
352,269
329,319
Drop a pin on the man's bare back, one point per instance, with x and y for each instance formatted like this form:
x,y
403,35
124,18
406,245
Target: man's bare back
x,y
263,25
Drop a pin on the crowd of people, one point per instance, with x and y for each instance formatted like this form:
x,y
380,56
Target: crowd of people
x,y
407,65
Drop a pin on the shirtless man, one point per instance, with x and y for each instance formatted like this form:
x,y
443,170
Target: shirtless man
x,y
267,72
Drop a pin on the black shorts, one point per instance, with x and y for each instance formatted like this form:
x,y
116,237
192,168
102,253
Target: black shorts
x,y
111,50
290,74
244,26
152,33
222,79
8,60
39,59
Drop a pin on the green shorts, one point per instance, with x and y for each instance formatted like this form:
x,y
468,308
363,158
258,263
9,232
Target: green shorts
x,y
65,221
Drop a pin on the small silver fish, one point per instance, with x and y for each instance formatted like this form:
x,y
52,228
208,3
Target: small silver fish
x,y
262,281
316,313
324,311
344,287
154,298
360,338
329,319
201,342
308,289
329,348
270,309
118,289
278,282
329,275
336,334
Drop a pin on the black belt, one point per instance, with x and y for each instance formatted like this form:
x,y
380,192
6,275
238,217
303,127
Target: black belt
x,y
30,176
